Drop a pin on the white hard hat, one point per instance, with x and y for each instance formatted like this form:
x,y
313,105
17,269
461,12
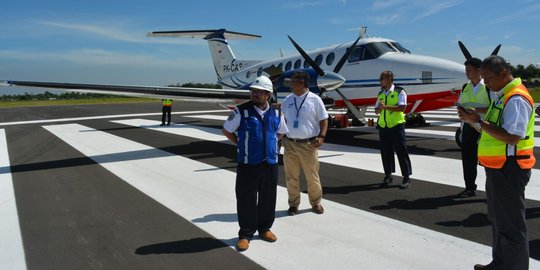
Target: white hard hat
x,y
262,83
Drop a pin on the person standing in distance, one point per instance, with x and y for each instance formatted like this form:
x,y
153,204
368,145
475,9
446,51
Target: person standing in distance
x,y
391,103
307,121
166,111
474,94
505,150
256,127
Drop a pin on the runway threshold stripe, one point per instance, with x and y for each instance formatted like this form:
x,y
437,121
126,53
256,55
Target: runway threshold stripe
x,y
45,121
433,169
11,246
342,238
410,132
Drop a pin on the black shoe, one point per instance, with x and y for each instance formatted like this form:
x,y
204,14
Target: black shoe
x,y
489,266
387,180
406,183
162,124
168,124
292,211
466,193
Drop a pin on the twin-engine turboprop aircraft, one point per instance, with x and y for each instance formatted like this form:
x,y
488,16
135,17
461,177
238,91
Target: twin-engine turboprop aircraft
x,y
346,75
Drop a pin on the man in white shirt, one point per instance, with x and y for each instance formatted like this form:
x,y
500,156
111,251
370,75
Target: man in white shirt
x,y
307,121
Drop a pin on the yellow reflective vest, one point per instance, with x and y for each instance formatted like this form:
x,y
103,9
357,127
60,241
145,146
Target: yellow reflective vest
x,y
492,153
389,119
167,102
479,100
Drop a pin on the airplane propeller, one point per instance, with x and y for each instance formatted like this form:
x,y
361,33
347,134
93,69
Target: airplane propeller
x,y
336,70
468,55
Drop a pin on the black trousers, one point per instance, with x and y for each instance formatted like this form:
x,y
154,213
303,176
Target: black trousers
x,y
166,112
393,139
505,190
469,155
256,191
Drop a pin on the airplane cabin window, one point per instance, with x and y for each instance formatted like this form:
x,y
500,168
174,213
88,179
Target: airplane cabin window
x,y
306,64
297,64
318,59
288,66
280,66
248,74
330,58
259,72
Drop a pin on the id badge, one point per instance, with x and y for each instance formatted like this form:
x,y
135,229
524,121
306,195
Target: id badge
x,y
295,124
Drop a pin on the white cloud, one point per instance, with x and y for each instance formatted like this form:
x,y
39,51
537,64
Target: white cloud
x,y
114,33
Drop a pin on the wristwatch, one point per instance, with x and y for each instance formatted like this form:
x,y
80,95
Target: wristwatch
x,y
478,124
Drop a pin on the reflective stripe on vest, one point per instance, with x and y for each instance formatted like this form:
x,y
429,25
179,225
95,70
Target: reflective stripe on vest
x,y
478,100
257,137
389,118
492,153
167,102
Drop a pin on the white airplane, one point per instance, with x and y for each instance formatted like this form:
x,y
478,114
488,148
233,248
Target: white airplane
x,y
345,75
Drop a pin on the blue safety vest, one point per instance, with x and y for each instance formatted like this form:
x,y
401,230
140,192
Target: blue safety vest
x,y
257,137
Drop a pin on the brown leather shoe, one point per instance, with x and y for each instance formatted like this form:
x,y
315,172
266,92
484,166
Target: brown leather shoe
x,y
242,244
268,236
318,209
292,211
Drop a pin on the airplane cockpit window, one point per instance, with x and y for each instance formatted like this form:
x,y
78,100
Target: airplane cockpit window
x,y
297,64
318,59
380,48
370,51
330,58
288,66
361,53
259,72
400,48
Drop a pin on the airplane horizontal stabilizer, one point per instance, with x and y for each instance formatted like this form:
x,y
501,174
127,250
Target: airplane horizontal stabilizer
x,y
202,34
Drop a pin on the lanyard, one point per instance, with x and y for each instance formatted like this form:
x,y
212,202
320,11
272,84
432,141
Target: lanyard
x,y
296,106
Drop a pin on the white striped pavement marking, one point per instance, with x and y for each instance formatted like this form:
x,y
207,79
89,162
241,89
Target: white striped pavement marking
x,y
426,168
344,237
11,246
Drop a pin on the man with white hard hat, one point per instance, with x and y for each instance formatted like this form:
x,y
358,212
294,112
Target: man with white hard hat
x,y
256,127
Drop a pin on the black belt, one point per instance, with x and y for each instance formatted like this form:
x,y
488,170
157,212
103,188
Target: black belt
x,y
302,140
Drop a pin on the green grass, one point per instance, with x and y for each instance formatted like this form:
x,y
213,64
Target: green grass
x,y
108,100
535,94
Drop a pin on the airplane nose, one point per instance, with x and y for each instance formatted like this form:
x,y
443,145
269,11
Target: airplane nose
x,y
330,81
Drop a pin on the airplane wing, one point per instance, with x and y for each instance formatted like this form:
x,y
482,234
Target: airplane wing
x,y
138,91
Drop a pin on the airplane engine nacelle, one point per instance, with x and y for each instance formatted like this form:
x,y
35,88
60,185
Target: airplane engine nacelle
x,y
328,82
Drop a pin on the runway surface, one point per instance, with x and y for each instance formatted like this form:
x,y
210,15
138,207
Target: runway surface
x,y
105,187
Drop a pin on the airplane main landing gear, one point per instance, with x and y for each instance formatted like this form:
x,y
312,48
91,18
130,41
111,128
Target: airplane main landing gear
x,y
415,120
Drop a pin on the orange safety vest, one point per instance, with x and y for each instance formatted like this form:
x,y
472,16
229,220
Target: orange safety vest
x,y
492,153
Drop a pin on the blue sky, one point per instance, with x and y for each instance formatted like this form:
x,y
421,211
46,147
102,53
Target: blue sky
x,y
95,41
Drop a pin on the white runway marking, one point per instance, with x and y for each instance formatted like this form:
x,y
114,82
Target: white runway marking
x,y
44,121
433,169
342,238
11,246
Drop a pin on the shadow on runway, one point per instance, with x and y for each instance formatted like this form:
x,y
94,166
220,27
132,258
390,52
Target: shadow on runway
x,y
194,245
217,217
426,203
356,188
474,220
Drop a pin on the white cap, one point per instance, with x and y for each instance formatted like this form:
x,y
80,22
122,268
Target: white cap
x,y
262,83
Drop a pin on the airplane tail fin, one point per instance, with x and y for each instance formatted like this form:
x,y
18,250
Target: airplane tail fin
x,y
222,55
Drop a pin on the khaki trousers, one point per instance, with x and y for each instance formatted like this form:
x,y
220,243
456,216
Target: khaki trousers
x,y
302,156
